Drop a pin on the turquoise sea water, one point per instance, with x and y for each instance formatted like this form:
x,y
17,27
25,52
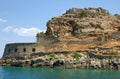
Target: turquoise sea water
x,y
56,73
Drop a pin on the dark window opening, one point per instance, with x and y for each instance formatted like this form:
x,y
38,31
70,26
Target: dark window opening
x,y
24,50
9,50
33,50
16,50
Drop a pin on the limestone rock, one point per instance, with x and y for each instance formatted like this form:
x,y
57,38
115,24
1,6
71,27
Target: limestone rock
x,y
81,22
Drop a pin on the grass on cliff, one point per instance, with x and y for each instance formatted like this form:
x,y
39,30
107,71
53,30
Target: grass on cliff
x,y
76,56
111,53
51,56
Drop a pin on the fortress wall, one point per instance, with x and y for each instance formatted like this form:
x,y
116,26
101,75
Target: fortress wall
x,y
46,39
45,42
41,45
19,48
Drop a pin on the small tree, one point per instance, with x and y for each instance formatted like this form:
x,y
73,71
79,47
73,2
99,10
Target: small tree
x,y
40,34
37,35
83,14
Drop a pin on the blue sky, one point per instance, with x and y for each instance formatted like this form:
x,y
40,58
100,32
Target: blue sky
x,y
20,20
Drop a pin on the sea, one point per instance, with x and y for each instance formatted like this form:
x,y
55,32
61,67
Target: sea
x,y
7,72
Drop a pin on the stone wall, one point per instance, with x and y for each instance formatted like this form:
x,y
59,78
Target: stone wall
x,y
41,45
15,48
46,39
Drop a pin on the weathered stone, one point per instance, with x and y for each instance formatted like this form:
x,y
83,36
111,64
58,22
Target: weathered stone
x,y
64,26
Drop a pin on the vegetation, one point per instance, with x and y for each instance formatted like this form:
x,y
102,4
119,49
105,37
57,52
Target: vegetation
x,y
117,16
77,56
111,53
40,34
83,14
107,35
104,11
51,56
65,55
107,58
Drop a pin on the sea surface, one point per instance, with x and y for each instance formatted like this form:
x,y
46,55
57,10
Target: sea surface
x,y
56,73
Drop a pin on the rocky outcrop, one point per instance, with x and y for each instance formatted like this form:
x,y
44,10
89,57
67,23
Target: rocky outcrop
x,y
80,38
86,28
79,59
82,22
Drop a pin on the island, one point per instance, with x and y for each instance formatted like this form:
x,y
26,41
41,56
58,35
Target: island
x,y
86,38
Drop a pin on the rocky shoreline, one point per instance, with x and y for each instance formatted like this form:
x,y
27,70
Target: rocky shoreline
x,y
79,60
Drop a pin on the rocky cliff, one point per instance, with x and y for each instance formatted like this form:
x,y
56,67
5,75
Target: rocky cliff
x,y
82,29
82,22
86,38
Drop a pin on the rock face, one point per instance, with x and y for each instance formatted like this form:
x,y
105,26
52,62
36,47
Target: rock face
x,y
80,38
79,59
82,22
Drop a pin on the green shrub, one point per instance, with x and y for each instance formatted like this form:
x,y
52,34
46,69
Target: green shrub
x,y
65,55
51,56
104,11
77,56
40,34
111,53
114,53
83,14
107,35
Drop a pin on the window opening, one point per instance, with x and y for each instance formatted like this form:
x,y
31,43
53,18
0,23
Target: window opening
x,y
24,50
33,50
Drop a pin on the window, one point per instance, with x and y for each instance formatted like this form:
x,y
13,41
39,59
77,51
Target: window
x,y
33,50
24,50
16,50
9,50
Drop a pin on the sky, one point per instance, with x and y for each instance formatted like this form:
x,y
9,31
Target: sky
x,y
20,20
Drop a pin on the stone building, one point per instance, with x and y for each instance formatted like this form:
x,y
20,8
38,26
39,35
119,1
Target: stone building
x,y
15,49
